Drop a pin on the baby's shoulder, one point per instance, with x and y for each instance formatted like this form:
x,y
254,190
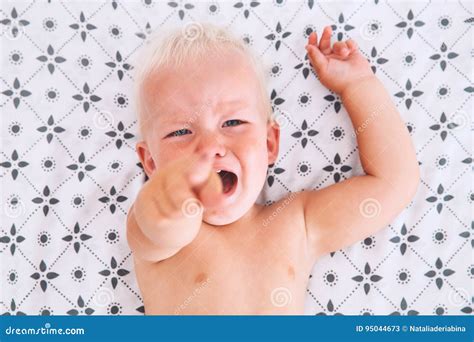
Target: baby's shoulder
x,y
288,209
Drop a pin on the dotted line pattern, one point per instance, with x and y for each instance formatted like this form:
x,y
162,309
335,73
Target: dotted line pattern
x,y
70,81
320,150
96,290
95,255
62,294
456,216
456,252
426,74
462,35
348,296
26,258
314,298
33,74
459,177
421,219
385,297
60,255
69,113
26,296
385,258
350,261
422,291
419,256
131,290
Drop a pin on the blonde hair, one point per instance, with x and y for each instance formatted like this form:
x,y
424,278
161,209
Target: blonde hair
x,y
192,42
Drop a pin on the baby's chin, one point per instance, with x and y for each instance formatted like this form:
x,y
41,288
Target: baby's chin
x,y
228,214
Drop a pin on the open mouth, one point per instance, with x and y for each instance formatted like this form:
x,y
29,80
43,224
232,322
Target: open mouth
x,y
229,180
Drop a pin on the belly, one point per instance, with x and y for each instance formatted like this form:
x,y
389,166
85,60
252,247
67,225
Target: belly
x,y
235,288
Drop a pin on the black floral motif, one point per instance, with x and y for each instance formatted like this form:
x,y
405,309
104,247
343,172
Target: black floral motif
x,y
181,12
14,23
120,135
46,200
81,167
443,127
114,272
51,58
277,36
50,129
343,27
13,239
13,310
119,65
272,171
337,168
148,31
305,134
83,27
408,99
276,101
467,234
112,200
246,7
305,66
77,237
337,101
439,273
330,308
443,56
16,92
410,23
409,238
442,198
44,276
86,97
81,305
375,60
14,164
367,279
403,308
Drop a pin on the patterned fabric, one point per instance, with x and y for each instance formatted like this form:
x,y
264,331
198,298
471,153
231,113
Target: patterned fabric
x,y
69,171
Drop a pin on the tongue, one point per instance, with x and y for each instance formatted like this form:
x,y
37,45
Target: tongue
x,y
227,180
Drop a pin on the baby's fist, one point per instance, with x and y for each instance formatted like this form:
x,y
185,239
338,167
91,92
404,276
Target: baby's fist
x,y
339,65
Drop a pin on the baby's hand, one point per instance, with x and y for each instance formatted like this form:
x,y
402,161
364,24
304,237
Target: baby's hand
x,y
339,66
169,207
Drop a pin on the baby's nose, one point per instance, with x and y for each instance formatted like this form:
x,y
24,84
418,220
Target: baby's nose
x,y
211,145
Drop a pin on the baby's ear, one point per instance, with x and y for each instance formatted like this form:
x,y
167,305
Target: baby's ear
x,y
145,158
273,141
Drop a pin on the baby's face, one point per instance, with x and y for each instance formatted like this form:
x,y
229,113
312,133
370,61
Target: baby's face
x,y
212,107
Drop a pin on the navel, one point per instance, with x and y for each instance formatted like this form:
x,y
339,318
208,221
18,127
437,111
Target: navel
x,y
200,277
291,272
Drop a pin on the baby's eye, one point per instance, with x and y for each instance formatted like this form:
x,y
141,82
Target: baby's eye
x,y
233,122
179,132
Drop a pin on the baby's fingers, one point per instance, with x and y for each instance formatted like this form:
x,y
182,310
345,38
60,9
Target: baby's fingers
x,y
317,58
352,44
341,49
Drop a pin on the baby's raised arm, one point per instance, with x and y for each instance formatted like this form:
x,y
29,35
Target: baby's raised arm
x,y
349,211
167,213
